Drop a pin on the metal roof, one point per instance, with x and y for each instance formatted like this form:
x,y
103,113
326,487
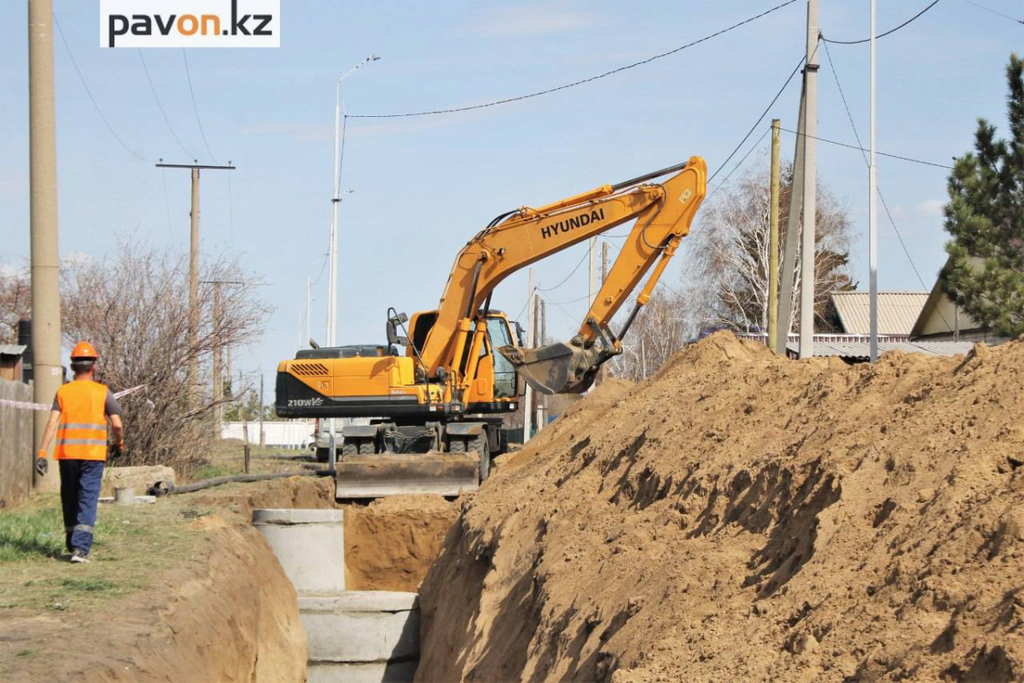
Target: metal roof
x,y
862,350
12,349
897,311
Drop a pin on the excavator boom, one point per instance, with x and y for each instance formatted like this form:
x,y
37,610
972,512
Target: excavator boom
x,y
662,213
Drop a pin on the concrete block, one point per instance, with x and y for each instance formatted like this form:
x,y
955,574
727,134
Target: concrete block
x,y
361,626
369,672
140,478
309,544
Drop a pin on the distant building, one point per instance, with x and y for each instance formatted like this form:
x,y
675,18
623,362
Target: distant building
x,y
897,312
942,320
11,356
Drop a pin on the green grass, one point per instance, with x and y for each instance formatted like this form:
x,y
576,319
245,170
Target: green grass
x,y
131,547
213,471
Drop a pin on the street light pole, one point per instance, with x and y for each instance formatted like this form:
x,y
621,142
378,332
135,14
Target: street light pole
x,y
332,278
332,284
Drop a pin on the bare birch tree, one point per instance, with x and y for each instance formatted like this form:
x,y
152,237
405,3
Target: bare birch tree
x,y
727,254
133,306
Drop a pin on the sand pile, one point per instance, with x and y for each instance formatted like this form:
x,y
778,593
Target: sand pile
x,y
745,517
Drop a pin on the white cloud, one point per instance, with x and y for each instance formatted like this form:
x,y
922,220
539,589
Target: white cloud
x,y
931,208
541,18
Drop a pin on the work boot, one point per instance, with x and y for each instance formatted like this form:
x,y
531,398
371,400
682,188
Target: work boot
x,y
78,557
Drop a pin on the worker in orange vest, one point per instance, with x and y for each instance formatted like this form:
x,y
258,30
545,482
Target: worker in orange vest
x,y
79,419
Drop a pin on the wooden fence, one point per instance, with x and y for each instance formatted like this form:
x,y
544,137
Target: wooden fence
x,y
15,445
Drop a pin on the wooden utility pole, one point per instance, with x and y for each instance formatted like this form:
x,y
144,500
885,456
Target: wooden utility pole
x,y
535,342
263,435
193,271
218,380
773,240
45,266
788,274
218,349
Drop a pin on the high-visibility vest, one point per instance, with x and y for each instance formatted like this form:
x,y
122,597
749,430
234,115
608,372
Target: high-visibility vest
x,y
82,432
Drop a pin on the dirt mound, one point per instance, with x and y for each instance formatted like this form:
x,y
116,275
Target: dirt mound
x,y
389,544
744,516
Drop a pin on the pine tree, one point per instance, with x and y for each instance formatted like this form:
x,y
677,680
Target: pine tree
x,y
985,216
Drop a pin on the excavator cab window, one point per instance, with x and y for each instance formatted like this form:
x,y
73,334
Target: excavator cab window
x,y
505,380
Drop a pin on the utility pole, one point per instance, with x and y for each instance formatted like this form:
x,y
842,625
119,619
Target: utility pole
x,y
604,277
809,186
193,270
592,286
528,396
218,346
45,265
543,340
537,341
788,274
218,380
773,240
309,334
873,210
263,436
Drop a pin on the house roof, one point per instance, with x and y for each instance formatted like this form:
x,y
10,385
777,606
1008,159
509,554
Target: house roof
x,y
897,311
862,350
935,299
12,349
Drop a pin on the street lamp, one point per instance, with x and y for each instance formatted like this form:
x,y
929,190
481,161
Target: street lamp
x,y
332,284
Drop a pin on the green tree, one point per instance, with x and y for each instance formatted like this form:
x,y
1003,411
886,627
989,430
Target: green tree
x,y
985,216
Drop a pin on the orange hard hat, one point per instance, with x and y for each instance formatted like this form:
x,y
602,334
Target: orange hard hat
x,y
84,349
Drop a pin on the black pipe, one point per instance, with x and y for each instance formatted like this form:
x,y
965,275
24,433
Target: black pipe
x,y
472,290
648,176
629,321
244,478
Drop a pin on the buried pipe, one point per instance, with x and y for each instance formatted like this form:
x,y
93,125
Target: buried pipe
x,y
162,488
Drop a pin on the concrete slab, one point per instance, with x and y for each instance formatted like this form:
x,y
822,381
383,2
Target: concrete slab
x,y
361,626
309,544
371,672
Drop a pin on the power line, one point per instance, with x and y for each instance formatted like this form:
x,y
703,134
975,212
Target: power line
x,y
579,82
759,118
195,107
161,106
882,35
861,149
738,164
92,99
551,289
523,309
995,12
856,135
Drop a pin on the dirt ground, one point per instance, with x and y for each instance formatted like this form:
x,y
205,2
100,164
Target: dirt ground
x,y
186,589
185,595
743,517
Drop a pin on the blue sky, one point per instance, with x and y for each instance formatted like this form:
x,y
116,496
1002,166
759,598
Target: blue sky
x,y
423,186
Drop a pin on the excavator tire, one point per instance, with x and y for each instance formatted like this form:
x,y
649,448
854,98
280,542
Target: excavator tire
x,y
456,445
479,444
349,449
366,448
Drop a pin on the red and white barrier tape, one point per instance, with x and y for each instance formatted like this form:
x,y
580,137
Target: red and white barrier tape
x,y
25,405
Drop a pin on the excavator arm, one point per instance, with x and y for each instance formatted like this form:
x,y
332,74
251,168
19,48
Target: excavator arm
x,y
662,213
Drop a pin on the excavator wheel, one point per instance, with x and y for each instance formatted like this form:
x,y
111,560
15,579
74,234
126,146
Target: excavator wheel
x,y
349,449
366,448
456,445
480,445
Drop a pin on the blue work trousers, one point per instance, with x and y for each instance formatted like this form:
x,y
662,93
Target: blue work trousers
x,y
79,496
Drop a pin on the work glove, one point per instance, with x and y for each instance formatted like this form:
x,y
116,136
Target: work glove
x,y
117,450
42,464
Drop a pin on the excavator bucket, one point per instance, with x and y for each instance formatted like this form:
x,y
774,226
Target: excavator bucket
x,y
393,474
552,369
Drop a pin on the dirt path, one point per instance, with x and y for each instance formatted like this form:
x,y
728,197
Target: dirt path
x,y
742,517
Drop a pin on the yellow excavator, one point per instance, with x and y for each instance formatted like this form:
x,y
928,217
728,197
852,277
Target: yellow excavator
x,y
436,407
